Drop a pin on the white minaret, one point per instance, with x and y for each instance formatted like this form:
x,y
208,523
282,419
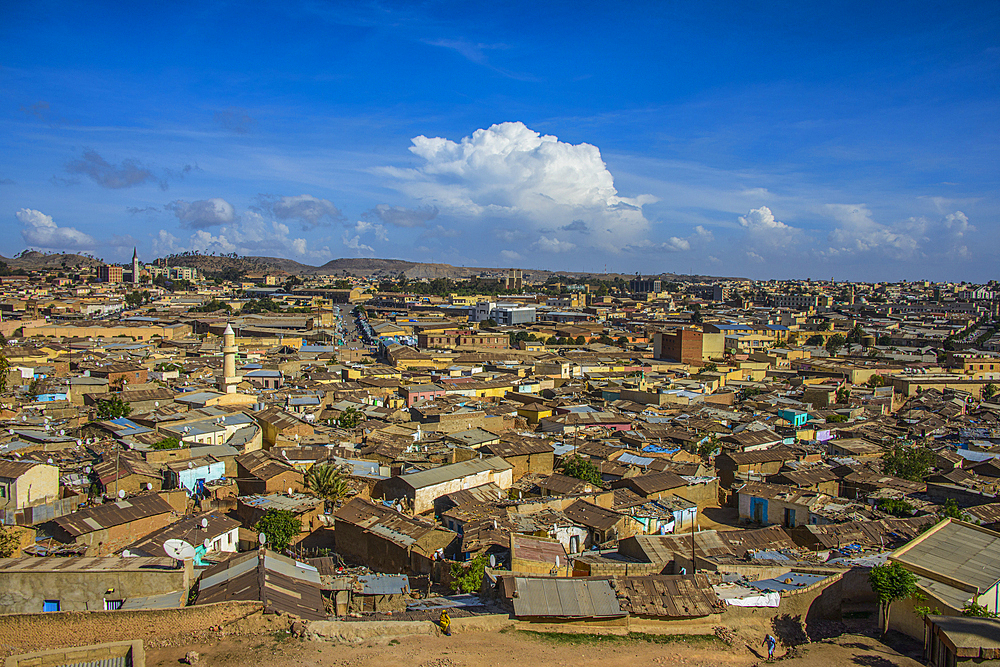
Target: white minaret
x,y
135,266
229,378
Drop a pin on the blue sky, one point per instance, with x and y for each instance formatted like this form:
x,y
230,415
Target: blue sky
x,y
767,140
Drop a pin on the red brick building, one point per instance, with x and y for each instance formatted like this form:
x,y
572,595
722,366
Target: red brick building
x,y
683,345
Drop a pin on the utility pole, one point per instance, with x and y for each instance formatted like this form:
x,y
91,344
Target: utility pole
x,y
118,469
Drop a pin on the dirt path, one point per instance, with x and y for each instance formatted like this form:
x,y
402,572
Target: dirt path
x,y
522,649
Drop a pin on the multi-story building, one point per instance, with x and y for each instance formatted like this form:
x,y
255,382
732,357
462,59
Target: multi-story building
x,y
470,339
504,314
109,273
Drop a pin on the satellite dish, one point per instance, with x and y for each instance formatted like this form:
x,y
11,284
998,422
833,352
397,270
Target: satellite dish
x,y
87,470
557,561
62,431
190,464
149,487
121,494
207,543
204,524
156,404
48,460
179,549
78,441
493,560
128,554
262,538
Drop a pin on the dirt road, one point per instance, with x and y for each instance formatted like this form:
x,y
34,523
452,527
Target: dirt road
x,y
524,649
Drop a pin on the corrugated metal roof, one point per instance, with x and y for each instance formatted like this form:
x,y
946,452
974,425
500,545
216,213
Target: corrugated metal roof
x,y
565,598
957,551
384,584
113,514
446,473
669,596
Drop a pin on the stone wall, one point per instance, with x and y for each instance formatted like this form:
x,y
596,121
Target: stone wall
x,y
23,633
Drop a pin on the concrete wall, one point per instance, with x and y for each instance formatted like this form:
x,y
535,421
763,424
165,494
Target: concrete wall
x,y
23,592
131,651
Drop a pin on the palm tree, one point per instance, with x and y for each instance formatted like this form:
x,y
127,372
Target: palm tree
x,y
327,482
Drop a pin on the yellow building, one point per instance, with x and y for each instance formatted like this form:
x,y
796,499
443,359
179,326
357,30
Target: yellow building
x,y
27,483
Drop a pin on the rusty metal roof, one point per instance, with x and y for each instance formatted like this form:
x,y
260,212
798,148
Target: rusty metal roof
x,y
592,516
90,519
281,583
667,596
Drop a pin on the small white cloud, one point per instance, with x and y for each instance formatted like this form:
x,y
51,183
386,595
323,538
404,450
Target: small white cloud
x,y
511,255
546,244
39,230
203,213
761,218
958,223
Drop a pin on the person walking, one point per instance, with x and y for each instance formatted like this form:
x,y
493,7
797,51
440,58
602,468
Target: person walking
x,y
770,642
445,622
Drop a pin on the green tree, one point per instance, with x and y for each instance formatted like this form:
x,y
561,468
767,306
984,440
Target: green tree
x,y
468,577
891,582
280,526
814,340
166,443
895,507
877,381
843,394
950,510
349,418
989,391
855,335
834,343
581,468
490,323
327,482
910,463
4,370
580,340
710,367
977,610
113,408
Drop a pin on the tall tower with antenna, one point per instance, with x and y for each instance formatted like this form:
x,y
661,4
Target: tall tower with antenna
x,y
135,266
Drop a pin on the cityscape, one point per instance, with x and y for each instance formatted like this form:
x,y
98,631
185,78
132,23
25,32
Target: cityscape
x,y
385,334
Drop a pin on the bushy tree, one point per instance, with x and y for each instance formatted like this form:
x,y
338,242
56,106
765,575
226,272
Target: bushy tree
x,y
468,577
814,340
989,391
891,582
910,463
349,418
834,343
113,408
280,526
583,469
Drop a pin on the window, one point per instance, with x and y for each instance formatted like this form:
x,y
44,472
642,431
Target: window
x,y
113,605
50,605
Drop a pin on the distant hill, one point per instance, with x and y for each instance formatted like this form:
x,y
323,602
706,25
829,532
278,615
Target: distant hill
x,y
32,260
366,267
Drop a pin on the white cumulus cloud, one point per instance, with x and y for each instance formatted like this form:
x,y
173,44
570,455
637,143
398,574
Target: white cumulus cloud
x,y
510,172
39,230
761,218
857,231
